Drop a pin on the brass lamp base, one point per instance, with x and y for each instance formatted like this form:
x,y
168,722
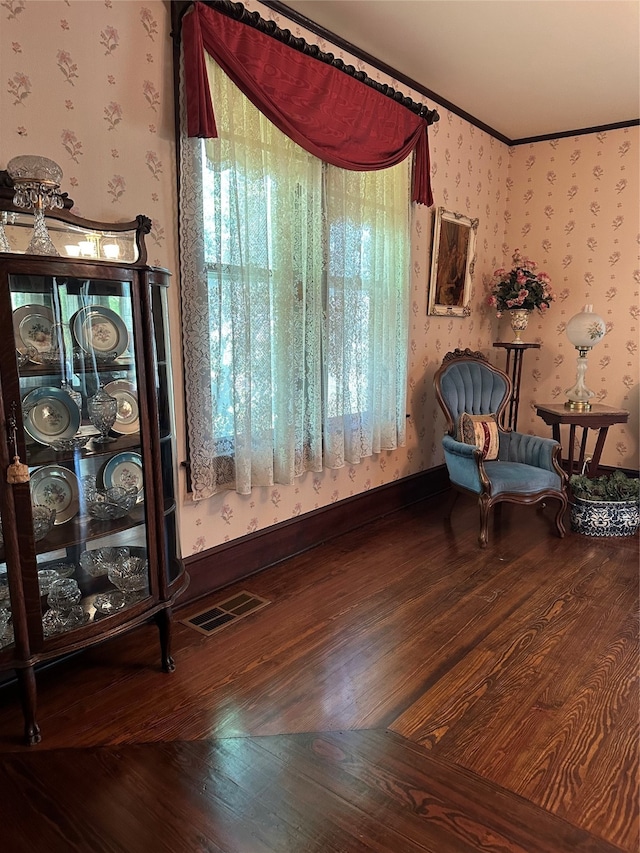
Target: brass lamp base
x,y
578,405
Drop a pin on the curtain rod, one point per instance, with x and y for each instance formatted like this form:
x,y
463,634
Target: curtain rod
x,y
270,28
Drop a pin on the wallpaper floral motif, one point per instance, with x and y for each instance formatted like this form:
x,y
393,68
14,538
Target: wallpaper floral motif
x,y
574,207
90,85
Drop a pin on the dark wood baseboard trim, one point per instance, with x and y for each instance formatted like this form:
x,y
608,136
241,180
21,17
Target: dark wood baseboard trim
x,y
233,561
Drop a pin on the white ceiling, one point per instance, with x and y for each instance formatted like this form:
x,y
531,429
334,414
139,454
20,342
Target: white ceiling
x,y
523,67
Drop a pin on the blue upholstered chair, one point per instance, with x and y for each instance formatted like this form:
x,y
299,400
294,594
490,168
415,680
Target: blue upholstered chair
x,y
526,469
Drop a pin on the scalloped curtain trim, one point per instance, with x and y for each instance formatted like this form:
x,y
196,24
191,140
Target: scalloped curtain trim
x,y
333,116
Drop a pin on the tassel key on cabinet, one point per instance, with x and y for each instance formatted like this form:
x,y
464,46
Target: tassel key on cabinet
x,y
17,472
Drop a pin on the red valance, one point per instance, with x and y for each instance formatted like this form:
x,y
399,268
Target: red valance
x,y
331,115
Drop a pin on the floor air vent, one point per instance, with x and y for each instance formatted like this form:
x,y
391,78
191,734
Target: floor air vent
x,y
225,612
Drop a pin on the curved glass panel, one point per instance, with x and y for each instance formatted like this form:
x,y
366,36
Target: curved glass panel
x,y
75,354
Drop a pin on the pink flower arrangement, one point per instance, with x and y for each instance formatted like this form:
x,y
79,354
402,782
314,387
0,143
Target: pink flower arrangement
x,y
520,287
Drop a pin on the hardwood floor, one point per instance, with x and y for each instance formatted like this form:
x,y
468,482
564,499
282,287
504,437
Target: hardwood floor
x,y
403,691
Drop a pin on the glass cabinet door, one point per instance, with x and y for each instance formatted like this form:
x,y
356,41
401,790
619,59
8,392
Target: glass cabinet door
x,y
163,393
79,381
6,620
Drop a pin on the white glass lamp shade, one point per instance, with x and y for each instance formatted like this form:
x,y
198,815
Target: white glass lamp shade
x,y
586,329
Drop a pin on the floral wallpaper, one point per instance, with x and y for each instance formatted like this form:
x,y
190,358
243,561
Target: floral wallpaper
x,y
90,85
573,207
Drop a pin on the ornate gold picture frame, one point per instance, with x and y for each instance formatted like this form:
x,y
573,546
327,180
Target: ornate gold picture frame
x,y
453,256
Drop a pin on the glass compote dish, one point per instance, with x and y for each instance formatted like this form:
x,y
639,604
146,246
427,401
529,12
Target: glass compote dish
x,y
64,593
108,504
64,613
97,563
102,409
46,578
53,572
76,442
111,602
128,574
76,396
131,576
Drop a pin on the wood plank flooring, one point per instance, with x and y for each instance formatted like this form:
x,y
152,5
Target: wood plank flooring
x,y
404,691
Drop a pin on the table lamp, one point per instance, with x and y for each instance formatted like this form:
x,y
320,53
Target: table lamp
x,y
37,185
584,330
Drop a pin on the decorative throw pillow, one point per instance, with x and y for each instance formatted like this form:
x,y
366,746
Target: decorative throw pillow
x,y
481,430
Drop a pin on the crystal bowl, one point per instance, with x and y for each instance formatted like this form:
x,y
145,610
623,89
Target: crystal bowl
x,y
64,594
5,616
43,518
98,562
53,572
46,577
130,575
63,570
73,443
109,602
55,621
112,503
52,356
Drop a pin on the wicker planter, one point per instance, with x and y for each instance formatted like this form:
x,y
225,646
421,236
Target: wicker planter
x,y
604,518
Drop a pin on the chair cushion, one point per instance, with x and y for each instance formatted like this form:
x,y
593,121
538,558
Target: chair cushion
x,y
482,431
520,478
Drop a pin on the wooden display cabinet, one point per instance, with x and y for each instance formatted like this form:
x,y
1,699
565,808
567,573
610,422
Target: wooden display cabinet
x,y
91,320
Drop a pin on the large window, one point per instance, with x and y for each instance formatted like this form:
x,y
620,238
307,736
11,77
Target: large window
x,y
295,304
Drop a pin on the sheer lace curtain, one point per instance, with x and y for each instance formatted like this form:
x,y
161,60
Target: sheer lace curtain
x,y
295,315
366,312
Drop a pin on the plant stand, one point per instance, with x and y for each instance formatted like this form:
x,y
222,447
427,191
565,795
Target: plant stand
x,y
516,374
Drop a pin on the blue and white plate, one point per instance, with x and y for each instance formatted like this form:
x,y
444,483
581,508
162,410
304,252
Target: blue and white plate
x,y
56,488
124,470
128,413
100,331
49,415
33,329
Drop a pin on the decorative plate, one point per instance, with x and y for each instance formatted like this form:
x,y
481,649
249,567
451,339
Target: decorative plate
x,y
100,331
32,328
122,469
57,488
50,415
128,414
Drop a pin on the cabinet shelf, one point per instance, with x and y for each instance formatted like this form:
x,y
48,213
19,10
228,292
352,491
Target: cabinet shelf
x,y
129,320
36,370
46,455
84,529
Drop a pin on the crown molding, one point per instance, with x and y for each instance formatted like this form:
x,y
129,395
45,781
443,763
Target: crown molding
x,y
338,41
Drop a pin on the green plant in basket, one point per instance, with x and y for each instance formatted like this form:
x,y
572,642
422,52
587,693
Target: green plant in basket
x,y
614,487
